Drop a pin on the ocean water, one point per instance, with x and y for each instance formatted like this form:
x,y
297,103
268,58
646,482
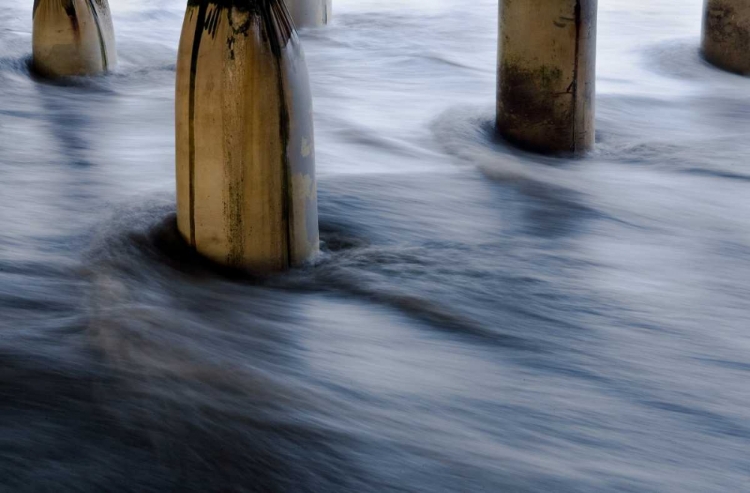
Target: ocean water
x,y
480,320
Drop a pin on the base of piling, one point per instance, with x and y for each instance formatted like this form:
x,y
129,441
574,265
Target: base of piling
x,y
546,74
726,35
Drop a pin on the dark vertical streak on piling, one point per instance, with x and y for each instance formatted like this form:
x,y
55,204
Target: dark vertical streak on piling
x,y
279,30
70,9
199,27
576,63
102,44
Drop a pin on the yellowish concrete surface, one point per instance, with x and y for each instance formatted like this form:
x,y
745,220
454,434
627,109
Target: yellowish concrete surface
x,y
246,193
73,37
546,74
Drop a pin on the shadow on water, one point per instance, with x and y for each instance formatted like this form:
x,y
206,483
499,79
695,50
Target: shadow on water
x,y
209,397
349,264
682,59
161,387
169,387
557,205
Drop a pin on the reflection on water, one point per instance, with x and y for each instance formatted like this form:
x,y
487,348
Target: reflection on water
x,y
480,319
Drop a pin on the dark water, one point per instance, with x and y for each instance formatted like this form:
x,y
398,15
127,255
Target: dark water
x,y
481,320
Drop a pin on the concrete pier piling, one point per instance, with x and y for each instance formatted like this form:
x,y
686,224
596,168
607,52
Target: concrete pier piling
x,y
246,189
310,13
726,34
72,37
547,74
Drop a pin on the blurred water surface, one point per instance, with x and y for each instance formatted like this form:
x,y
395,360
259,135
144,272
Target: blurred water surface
x,y
481,319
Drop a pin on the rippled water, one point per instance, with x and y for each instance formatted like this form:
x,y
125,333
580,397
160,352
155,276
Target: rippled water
x,y
481,319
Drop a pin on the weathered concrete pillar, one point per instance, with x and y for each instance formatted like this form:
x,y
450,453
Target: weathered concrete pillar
x,y
310,13
246,189
546,74
726,34
73,37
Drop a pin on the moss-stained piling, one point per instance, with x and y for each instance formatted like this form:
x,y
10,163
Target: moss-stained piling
x,y
546,74
73,37
310,13
726,34
246,189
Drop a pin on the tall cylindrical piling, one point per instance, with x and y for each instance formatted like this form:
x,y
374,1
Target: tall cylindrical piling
x,y
310,13
246,189
547,74
73,37
726,34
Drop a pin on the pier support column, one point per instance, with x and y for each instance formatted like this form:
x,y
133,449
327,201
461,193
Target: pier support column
x,y
73,37
726,34
310,13
246,189
547,74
